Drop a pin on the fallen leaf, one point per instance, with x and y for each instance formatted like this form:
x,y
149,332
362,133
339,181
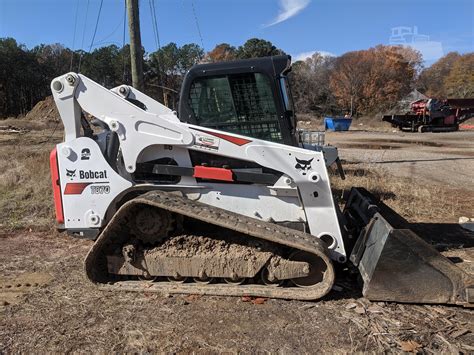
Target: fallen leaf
x,y
410,346
351,305
193,297
259,300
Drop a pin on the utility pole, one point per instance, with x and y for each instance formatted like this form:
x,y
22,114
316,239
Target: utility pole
x,y
135,44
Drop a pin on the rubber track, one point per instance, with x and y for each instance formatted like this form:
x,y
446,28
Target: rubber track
x,y
219,217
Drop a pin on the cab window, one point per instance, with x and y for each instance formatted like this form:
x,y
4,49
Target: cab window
x,y
237,103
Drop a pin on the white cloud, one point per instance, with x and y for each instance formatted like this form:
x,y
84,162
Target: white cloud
x,y
305,55
288,9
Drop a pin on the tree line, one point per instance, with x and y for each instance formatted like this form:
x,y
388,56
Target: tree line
x,y
369,81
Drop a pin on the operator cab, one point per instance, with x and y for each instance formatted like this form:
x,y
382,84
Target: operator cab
x,y
250,97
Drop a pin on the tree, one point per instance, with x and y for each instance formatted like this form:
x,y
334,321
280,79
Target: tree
x,y
256,47
431,80
310,84
100,65
22,82
123,65
459,83
221,53
167,67
189,55
374,79
346,80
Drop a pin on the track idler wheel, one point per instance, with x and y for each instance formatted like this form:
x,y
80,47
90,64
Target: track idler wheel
x,y
316,272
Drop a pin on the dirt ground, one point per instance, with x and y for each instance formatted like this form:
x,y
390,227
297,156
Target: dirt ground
x,y
46,303
443,159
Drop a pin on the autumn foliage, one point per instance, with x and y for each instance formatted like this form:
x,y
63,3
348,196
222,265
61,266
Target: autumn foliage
x,y
450,77
371,81
375,78
252,48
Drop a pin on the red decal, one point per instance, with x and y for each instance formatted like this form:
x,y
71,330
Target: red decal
x,y
236,140
58,203
205,172
75,188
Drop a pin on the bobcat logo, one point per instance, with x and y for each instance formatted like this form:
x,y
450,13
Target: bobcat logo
x,y
303,165
70,173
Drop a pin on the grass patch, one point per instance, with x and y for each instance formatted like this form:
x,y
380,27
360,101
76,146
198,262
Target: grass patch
x,y
26,199
411,199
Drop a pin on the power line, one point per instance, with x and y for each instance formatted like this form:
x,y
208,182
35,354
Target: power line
x,y
155,21
157,39
83,36
156,24
96,25
74,36
85,24
110,34
197,24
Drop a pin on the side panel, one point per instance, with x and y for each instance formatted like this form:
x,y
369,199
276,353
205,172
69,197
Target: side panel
x,y
88,184
307,170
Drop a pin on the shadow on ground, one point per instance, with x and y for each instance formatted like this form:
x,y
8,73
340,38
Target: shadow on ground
x,y
444,236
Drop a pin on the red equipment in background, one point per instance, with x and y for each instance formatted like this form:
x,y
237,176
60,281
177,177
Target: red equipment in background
x,y
433,115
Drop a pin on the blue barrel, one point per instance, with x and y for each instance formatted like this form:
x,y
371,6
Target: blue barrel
x,y
337,124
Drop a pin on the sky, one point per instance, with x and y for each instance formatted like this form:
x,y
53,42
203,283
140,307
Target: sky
x,y
299,27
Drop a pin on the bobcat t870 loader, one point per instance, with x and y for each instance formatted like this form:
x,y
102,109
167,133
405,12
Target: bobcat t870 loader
x,y
223,198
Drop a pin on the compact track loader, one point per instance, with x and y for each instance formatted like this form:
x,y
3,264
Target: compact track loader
x,y
224,198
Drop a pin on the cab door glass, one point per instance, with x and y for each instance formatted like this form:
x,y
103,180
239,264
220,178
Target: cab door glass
x,y
238,103
211,101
